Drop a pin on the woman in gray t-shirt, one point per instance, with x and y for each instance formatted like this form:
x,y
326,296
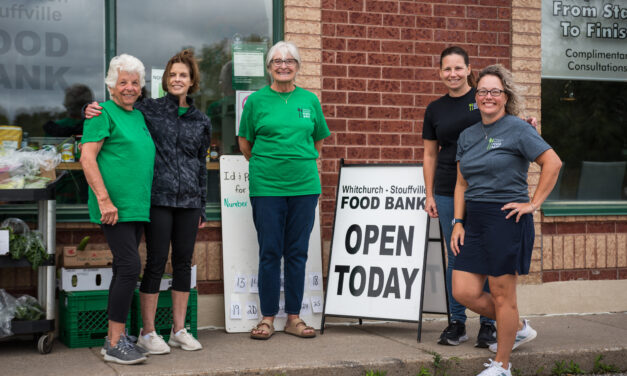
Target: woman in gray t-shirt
x,y
493,234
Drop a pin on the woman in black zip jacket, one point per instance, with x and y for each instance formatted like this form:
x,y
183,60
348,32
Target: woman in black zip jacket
x,y
181,134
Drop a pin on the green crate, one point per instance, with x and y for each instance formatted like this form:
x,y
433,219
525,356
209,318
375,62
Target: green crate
x,y
83,319
163,316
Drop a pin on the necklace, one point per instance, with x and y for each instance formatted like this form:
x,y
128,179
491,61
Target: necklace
x,y
484,131
288,97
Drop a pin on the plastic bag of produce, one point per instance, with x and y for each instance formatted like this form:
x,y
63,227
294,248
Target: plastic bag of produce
x,y
8,304
28,308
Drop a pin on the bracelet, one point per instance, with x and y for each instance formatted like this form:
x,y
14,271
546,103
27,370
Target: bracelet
x,y
533,206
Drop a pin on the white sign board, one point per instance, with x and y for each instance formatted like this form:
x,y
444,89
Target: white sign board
x,y
156,88
434,298
379,243
584,39
240,100
241,256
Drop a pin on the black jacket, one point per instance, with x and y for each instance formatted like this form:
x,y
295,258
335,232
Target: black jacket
x,y
180,178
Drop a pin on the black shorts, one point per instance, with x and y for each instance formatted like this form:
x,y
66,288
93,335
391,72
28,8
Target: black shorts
x,y
494,245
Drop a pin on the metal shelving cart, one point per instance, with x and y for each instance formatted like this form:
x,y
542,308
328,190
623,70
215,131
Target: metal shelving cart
x,y
42,330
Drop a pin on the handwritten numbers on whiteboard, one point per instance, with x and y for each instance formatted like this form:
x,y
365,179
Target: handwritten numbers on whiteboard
x,y
316,304
236,311
253,283
240,283
315,281
252,311
305,308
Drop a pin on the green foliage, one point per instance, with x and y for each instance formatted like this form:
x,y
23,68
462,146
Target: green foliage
x,y
29,246
375,373
600,367
516,372
562,368
441,366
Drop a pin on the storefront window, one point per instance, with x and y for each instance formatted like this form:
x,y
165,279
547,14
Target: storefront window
x,y
586,123
584,108
52,61
154,30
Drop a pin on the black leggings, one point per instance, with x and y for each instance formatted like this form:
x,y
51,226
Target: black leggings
x,y
178,226
123,239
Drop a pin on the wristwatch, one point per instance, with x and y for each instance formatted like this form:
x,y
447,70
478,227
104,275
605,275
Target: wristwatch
x,y
456,220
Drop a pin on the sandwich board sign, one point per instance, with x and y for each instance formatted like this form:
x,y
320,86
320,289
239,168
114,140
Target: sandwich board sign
x,y
379,247
241,257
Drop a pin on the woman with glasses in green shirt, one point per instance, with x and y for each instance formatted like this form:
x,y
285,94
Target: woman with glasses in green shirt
x,y
281,134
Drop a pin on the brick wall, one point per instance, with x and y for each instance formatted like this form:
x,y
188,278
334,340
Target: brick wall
x,y
379,72
588,248
527,72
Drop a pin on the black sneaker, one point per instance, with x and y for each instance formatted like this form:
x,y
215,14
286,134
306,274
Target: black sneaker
x,y
454,334
486,336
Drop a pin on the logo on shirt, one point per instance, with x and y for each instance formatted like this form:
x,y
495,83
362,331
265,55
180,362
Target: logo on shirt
x,y
304,113
494,143
472,106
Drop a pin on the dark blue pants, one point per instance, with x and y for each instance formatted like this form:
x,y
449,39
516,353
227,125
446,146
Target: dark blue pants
x,y
445,205
283,224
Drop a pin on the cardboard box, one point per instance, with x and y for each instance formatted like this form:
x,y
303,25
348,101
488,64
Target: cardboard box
x,y
72,258
85,279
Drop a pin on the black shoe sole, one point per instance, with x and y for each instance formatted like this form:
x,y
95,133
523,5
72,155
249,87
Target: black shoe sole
x,y
483,344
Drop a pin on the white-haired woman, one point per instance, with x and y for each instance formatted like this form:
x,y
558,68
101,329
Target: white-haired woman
x,y
281,135
493,238
118,157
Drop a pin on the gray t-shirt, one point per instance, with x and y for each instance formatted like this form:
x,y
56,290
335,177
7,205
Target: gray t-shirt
x,y
496,168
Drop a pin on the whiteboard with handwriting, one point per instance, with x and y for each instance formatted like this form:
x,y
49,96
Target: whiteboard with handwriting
x,y
241,256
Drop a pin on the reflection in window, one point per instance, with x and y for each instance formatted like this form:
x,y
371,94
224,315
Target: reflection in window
x,y
46,47
51,64
586,123
208,28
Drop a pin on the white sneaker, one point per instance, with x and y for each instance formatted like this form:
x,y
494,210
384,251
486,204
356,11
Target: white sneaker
x,y
154,343
524,335
184,340
496,369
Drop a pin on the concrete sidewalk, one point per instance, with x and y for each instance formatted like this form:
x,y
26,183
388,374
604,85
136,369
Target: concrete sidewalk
x,y
347,350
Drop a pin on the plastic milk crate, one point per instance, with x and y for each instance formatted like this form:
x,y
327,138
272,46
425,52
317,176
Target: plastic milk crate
x,y
163,316
83,319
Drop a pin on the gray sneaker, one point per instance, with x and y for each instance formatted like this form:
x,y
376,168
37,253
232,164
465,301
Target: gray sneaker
x,y
123,353
107,345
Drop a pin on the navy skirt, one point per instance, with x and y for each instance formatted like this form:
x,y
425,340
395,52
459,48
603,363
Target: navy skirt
x,y
494,245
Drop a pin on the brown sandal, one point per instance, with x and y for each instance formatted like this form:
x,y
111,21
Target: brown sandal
x,y
297,327
265,327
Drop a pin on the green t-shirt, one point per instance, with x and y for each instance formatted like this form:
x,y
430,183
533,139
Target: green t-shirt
x,y
283,160
126,161
183,110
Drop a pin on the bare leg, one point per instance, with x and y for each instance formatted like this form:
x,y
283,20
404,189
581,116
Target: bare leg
x,y
468,290
115,331
503,290
179,309
148,304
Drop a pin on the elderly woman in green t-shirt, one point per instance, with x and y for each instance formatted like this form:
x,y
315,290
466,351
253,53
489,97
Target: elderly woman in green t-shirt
x,y
281,133
117,156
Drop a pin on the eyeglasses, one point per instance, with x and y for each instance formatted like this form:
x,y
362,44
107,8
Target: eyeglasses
x,y
288,62
493,92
